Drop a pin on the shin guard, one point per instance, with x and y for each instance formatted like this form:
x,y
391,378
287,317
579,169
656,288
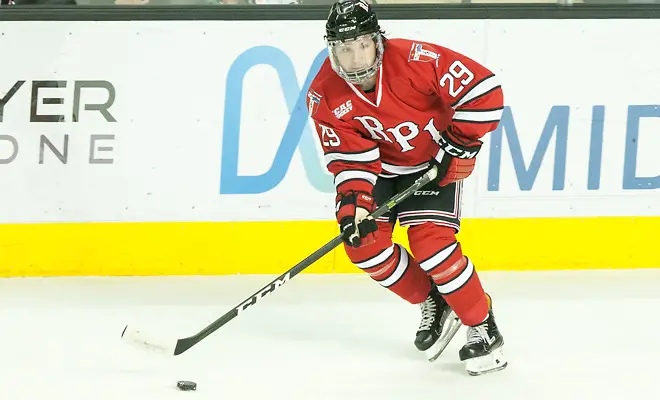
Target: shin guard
x,y
440,256
391,266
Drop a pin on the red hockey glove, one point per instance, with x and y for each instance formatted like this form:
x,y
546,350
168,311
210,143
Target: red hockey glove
x,y
352,210
458,160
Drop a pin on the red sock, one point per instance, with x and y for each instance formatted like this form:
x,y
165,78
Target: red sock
x,y
440,256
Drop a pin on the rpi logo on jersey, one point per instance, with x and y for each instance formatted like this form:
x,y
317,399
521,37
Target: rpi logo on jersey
x,y
585,144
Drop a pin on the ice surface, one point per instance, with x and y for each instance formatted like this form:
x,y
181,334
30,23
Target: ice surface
x,y
568,335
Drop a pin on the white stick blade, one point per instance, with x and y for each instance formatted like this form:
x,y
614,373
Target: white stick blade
x,y
137,338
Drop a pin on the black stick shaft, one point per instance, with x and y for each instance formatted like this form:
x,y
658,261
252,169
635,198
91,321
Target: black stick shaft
x,y
186,343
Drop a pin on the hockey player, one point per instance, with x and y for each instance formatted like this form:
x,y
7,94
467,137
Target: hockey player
x,y
385,111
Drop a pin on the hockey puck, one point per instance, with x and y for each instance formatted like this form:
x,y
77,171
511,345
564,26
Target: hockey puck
x,y
186,385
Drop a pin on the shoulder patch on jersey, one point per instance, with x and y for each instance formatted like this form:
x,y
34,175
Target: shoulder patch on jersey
x,y
343,109
423,53
313,102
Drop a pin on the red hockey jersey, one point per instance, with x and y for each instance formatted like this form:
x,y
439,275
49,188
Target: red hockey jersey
x,y
421,90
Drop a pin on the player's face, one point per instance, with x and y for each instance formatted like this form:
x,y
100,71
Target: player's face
x,y
357,54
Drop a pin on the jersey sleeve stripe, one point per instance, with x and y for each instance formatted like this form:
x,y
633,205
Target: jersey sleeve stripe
x,y
466,104
486,85
348,175
361,157
478,115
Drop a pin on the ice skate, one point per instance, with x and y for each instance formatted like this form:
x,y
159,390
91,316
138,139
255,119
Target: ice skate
x,y
483,351
438,326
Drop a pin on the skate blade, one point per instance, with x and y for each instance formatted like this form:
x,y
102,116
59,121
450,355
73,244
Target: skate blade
x,y
492,362
449,330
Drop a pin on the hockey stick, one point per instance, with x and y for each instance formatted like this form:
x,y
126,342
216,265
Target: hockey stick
x,y
178,346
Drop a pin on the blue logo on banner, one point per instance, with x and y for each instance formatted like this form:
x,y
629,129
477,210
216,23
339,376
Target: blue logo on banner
x,y
297,135
557,125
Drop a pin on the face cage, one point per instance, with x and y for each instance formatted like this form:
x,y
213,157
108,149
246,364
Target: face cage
x,y
357,77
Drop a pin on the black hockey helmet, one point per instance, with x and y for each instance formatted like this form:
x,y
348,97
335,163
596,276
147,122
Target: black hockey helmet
x,y
349,20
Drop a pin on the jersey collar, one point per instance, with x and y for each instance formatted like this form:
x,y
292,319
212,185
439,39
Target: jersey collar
x,y
379,89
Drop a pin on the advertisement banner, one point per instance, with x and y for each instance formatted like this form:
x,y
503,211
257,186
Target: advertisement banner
x,y
205,121
181,123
